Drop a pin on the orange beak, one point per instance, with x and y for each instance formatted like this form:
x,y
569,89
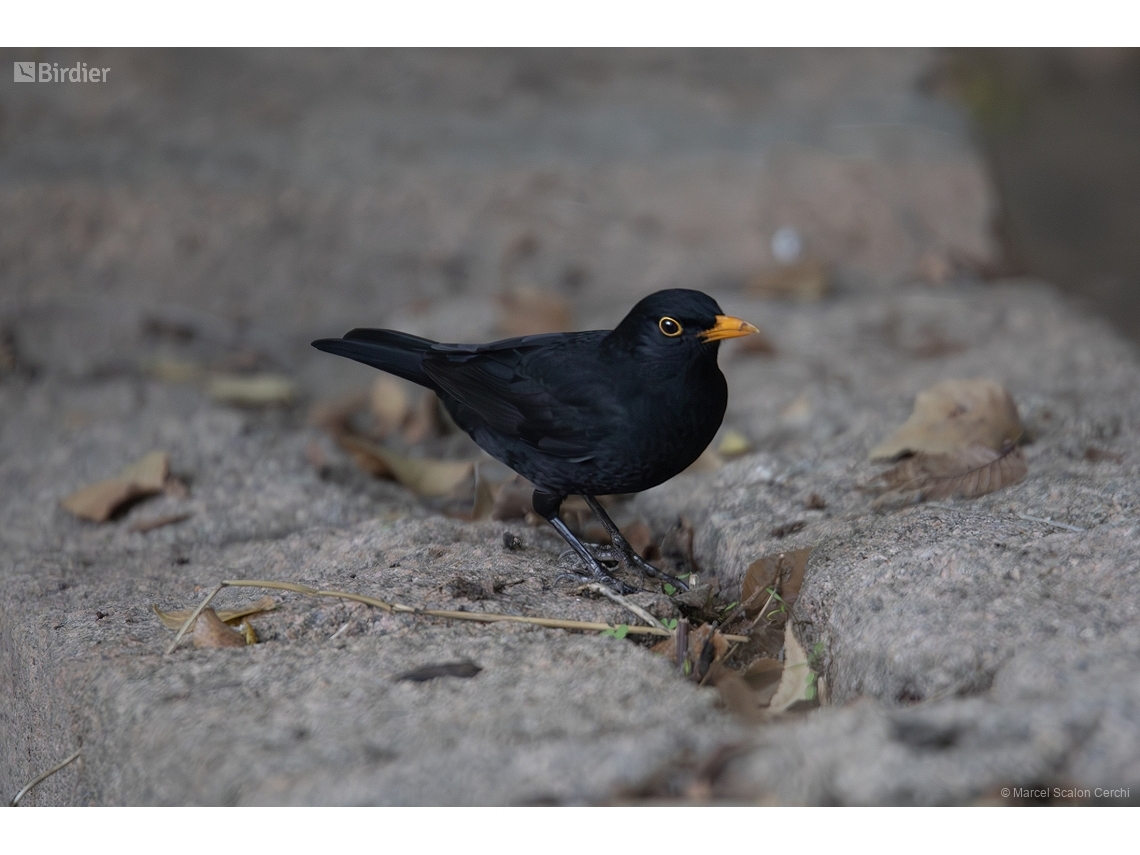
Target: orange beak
x,y
727,327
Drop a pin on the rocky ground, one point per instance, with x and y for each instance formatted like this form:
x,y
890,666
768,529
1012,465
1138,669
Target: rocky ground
x,y
210,213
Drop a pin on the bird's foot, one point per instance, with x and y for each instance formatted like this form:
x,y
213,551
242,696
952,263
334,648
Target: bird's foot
x,y
613,555
606,579
647,569
606,553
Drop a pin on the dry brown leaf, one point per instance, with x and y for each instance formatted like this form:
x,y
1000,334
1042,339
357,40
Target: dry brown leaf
x,y
807,280
782,570
100,501
423,475
797,682
968,473
952,415
422,423
529,311
149,473
175,619
210,631
388,400
252,390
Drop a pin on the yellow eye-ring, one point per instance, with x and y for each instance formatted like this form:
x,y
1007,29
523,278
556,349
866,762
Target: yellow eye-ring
x,y
669,327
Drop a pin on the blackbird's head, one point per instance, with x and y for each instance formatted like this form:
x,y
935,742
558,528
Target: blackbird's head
x,y
679,321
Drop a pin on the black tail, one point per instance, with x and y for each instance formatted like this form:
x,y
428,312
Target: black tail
x,y
395,352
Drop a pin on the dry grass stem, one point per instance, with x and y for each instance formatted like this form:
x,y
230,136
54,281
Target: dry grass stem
x,y
479,617
633,608
41,778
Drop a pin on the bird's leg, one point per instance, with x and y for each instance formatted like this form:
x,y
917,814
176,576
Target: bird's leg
x,y
546,506
623,546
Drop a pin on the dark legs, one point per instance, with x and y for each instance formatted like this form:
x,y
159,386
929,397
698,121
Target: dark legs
x,y
627,551
547,505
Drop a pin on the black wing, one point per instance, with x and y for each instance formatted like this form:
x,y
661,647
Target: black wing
x,y
531,388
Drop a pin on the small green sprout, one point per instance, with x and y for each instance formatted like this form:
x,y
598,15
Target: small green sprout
x,y
619,631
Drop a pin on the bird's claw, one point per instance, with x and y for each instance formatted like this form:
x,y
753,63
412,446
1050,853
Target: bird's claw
x,y
609,581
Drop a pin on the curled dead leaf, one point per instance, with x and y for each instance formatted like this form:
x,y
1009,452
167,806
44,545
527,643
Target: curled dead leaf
x,y
175,619
797,681
968,473
150,472
423,475
388,401
952,415
100,501
252,390
781,571
210,631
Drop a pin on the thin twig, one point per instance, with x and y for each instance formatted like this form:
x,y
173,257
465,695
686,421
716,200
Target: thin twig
x,y
1065,526
481,617
27,788
340,631
624,603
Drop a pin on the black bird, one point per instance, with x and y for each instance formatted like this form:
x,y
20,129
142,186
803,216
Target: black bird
x,y
582,413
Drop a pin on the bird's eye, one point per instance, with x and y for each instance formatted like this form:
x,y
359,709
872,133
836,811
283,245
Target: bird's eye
x,y
670,327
